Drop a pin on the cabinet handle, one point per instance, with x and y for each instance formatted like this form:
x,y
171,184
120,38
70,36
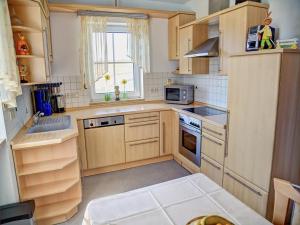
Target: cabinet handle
x,y
142,143
176,39
164,136
141,125
210,130
245,185
210,163
144,117
218,143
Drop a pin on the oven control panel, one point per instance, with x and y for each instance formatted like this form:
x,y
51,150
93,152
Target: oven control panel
x,y
190,121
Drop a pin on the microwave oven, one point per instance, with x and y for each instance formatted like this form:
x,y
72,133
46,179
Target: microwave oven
x,y
179,94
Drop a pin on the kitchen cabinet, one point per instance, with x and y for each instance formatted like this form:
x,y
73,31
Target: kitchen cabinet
x,y
173,33
233,27
142,130
166,132
213,148
144,149
105,146
264,132
141,117
212,169
248,193
190,37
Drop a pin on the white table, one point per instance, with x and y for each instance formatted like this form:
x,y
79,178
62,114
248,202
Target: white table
x,y
171,203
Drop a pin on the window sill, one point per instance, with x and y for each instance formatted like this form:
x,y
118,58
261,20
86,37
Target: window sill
x,y
121,102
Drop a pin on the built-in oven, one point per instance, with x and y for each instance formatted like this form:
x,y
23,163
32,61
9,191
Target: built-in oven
x,y
190,138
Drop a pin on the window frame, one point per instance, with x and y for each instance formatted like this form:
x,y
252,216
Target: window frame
x,y
137,71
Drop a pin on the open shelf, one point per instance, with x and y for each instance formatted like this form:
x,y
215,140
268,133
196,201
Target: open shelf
x,y
23,2
26,29
56,209
29,57
46,189
33,83
45,166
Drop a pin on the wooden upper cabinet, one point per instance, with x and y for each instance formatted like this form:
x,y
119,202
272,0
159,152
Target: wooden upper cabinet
x,y
173,31
191,37
234,27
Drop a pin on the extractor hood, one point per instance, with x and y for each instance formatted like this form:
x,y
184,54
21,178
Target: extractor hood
x,y
209,48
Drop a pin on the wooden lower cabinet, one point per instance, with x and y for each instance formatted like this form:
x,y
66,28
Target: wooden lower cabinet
x,y
105,146
213,148
251,195
212,169
140,150
141,130
166,132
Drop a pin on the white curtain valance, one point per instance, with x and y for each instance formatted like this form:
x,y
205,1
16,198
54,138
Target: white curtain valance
x,y
10,86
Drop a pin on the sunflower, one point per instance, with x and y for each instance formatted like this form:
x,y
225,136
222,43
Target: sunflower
x,y
124,81
106,76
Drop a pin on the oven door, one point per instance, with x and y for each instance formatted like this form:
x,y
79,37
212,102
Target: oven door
x,y
172,94
190,143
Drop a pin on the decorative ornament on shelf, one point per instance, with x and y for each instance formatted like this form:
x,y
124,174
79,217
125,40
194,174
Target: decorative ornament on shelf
x,y
15,20
22,45
267,33
117,93
23,72
124,95
107,96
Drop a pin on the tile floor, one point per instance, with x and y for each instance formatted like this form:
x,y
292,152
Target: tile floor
x,y
125,180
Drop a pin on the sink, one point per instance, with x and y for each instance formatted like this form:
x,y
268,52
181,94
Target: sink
x,y
46,124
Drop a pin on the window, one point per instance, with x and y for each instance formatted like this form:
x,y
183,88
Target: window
x,y
119,64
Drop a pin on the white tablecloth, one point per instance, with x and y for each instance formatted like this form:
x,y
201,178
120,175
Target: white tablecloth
x,y
170,203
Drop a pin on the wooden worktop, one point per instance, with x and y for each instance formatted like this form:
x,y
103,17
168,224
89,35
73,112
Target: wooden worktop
x,y
24,140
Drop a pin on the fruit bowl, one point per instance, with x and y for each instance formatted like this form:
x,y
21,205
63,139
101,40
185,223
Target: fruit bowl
x,y
209,220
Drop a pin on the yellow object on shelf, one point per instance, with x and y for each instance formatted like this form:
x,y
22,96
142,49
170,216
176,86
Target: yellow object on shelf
x,y
209,220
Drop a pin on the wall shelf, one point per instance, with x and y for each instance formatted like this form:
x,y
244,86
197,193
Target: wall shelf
x,y
26,29
46,166
46,189
29,57
32,83
23,3
56,209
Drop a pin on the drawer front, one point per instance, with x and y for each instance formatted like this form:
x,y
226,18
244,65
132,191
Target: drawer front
x,y
141,117
248,193
140,150
213,130
141,131
212,169
213,148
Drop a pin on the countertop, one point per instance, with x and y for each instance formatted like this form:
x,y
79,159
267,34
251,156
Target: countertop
x,y
24,140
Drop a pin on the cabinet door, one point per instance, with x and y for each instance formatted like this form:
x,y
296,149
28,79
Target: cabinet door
x,y
142,130
173,27
248,193
140,150
166,132
186,38
105,146
233,31
212,169
213,148
252,102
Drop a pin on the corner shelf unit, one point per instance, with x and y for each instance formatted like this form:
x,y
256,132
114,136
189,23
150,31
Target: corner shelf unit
x,y
50,176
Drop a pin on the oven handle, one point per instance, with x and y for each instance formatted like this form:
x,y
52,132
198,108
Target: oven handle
x,y
190,127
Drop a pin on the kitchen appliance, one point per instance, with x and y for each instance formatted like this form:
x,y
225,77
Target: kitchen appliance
x,y
205,111
179,94
103,122
190,138
253,39
209,48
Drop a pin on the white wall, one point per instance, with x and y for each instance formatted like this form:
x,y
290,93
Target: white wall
x,y
9,128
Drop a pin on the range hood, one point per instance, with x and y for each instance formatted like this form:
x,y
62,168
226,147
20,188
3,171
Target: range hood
x,y
209,48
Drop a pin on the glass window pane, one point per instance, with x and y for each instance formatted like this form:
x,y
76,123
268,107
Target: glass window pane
x,y
124,71
121,47
109,41
103,86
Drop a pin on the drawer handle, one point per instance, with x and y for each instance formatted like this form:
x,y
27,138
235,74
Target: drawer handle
x,y
218,143
141,125
245,185
215,132
144,117
142,143
210,163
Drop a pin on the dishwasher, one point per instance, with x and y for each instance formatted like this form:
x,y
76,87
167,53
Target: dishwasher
x,y
104,141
